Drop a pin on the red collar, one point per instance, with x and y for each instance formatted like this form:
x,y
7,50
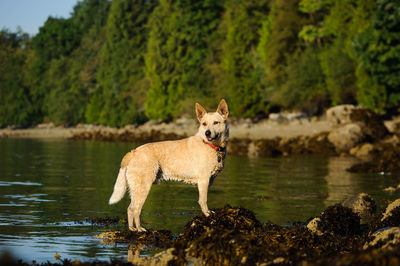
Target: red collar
x,y
213,146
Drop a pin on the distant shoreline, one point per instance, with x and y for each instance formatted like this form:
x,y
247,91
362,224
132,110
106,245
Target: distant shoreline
x,y
242,128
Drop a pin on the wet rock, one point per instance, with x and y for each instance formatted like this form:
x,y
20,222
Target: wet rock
x,y
385,158
362,151
227,218
233,236
313,226
239,146
371,122
362,204
391,216
339,220
386,238
105,221
320,144
158,238
264,148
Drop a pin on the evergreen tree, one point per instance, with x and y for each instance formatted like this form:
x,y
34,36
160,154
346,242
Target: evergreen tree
x,y
15,104
286,21
180,31
242,75
120,74
378,52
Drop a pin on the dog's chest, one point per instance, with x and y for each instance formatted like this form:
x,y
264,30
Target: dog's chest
x,y
219,163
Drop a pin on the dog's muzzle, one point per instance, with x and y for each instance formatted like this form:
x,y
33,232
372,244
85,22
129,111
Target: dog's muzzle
x,y
209,137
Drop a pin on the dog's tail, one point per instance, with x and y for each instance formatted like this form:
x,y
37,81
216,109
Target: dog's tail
x,y
119,187
121,183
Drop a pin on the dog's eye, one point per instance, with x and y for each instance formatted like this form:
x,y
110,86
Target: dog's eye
x,y
204,124
216,122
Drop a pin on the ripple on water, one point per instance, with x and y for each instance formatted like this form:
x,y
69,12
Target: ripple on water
x,y
26,183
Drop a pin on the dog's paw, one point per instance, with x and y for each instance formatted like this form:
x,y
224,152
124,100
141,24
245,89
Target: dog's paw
x,y
141,229
207,213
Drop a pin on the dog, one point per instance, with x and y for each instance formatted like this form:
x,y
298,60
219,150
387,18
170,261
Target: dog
x,y
195,160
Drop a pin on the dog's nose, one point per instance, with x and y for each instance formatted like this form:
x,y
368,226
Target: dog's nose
x,y
208,133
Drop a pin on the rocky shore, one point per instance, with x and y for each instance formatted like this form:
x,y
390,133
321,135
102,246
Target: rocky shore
x,y
348,233
345,130
351,233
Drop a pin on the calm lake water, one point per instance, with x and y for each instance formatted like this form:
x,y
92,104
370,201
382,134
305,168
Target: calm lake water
x,y
48,185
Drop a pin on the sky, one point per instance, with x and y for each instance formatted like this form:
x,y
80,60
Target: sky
x,y
30,15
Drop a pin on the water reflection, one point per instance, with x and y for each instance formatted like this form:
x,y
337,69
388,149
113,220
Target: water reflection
x,y
341,183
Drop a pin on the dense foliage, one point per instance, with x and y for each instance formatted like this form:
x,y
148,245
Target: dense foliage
x,y
125,61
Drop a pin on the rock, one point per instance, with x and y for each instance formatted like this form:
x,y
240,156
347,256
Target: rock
x,y
313,226
371,123
264,148
354,125
388,238
346,137
46,125
362,151
339,220
392,212
340,115
385,158
227,218
361,204
278,118
158,238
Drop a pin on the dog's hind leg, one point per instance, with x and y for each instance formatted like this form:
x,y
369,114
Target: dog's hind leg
x,y
140,175
130,215
141,194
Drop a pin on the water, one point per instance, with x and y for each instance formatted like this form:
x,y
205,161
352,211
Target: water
x,y
48,185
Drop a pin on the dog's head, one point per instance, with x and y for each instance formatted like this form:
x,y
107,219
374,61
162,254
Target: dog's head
x,y
213,126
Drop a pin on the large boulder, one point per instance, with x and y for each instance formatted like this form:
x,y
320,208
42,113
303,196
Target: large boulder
x,y
391,217
340,115
388,238
371,123
336,220
361,204
354,125
346,137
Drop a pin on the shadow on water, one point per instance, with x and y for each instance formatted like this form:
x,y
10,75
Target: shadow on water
x,y
46,185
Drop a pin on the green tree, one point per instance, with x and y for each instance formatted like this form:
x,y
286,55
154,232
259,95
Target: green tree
x,y
377,50
305,88
121,72
286,21
15,102
242,72
180,31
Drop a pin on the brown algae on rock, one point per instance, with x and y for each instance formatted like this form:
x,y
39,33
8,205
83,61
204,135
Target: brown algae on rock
x,y
234,236
158,238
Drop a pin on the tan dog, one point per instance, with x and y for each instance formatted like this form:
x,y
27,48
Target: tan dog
x,y
195,160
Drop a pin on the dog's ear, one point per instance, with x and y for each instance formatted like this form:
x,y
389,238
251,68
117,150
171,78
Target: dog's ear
x,y
200,111
223,109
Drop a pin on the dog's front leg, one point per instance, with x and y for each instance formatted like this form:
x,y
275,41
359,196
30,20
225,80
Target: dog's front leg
x,y
203,190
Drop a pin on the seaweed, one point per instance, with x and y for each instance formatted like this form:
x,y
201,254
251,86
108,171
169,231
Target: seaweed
x,y
234,236
339,220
